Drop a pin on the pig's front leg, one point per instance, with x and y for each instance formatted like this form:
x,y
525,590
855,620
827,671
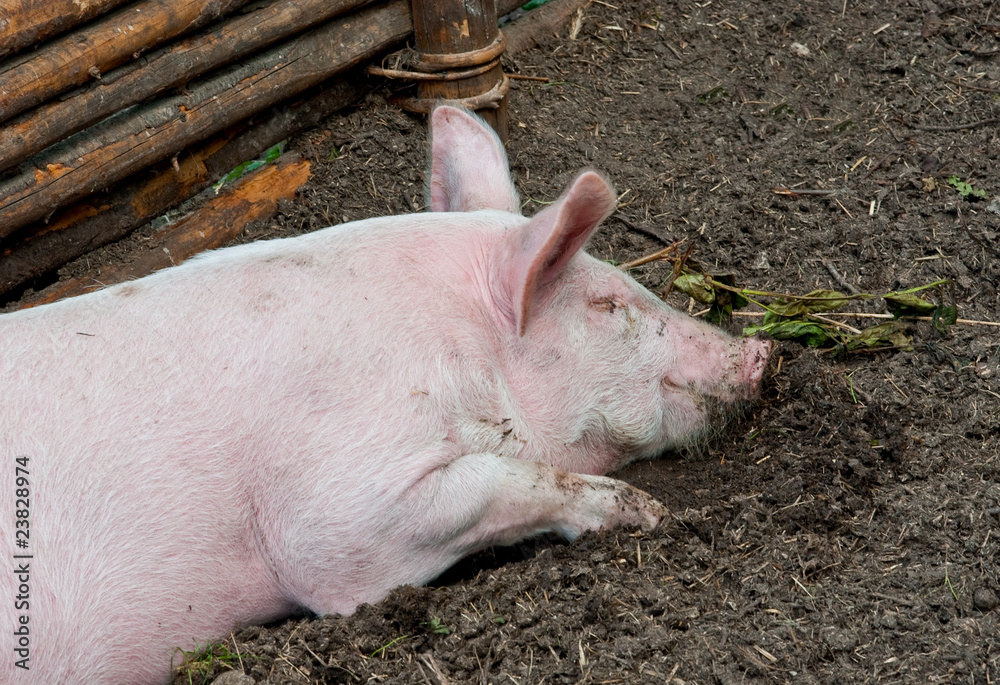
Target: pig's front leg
x,y
481,500
462,506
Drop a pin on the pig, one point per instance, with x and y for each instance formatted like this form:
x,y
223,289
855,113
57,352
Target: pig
x,y
307,423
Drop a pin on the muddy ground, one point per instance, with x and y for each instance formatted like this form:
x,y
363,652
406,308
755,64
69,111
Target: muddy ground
x,y
845,529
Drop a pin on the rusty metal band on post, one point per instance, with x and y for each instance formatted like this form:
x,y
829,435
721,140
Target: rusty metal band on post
x,y
488,100
430,62
436,76
449,67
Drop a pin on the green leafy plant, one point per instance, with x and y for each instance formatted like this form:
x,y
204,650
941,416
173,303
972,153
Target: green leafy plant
x,y
719,292
800,317
437,626
965,189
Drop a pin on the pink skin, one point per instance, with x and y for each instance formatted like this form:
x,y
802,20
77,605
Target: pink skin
x,y
311,422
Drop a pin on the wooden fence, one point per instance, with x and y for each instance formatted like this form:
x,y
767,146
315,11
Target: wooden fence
x,y
114,111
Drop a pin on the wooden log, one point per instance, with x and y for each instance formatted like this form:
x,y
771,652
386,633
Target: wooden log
x,y
122,145
546,20
505,7
28,22
219,221
168,67
104,218
33,78
451,27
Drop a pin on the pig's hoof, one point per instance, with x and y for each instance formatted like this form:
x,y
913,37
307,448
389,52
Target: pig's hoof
x,y
647,511
619,504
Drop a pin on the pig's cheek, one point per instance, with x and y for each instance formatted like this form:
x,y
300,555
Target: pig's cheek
x,y
685,413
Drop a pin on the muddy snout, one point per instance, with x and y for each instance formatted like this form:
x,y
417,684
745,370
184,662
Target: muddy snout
x,y
755,353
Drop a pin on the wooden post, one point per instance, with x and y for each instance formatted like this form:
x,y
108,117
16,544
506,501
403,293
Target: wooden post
x,y
462,36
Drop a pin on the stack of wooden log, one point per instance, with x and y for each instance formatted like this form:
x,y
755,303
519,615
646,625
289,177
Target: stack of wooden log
x,y
113,111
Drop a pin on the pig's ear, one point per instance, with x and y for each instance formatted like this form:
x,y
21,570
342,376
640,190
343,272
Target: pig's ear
x,y
468,165
552,237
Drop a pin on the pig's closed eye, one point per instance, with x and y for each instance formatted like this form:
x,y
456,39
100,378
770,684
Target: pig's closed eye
x,y
609,304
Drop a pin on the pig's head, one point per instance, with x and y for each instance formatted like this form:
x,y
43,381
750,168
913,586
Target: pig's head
x,y
600,371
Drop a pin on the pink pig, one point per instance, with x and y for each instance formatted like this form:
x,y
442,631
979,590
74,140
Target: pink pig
x,y
311,422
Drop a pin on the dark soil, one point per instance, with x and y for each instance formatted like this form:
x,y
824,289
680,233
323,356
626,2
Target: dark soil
x,y
847,528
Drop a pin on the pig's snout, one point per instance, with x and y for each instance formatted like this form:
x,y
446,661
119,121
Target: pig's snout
x,y
756,351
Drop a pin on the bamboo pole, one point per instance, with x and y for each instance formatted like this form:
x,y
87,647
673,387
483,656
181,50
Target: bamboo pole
x,y
28,22
127,143
168,67
42,247
77,57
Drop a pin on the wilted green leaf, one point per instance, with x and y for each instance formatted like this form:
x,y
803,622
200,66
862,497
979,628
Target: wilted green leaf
x,y
828,300
886,334
696,286
944,316
245,168
705,289
806,332
907,304
274,152
725,300
949,314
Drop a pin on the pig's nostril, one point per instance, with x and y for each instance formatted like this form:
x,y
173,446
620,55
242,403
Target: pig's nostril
x,y
759,348
755,354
